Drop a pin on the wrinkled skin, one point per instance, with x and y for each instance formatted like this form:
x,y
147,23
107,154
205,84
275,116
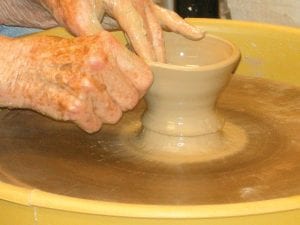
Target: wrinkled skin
x,y
142,20
89,80
81,79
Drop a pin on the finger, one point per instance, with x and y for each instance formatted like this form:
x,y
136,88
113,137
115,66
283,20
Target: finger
x,y
93,86
134,26
95,63
58,103
136,70
120,88
156,34
104,106
131,66
173,22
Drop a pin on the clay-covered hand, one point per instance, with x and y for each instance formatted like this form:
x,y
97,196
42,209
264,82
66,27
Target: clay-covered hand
x,y
88,80
140,19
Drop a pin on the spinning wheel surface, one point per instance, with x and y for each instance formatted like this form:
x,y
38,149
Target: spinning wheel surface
x,y
60,158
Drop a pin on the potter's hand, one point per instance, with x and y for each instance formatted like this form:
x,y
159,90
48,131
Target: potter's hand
x,y
87,80
140,19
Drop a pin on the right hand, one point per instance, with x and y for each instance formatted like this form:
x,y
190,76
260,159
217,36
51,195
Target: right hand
x,y
88,80
141,20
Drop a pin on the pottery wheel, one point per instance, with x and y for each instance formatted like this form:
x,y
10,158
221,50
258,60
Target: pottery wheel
x,y
58,157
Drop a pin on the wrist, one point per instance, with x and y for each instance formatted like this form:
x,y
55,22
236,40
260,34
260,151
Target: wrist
x,y
12,55
12,59
12,69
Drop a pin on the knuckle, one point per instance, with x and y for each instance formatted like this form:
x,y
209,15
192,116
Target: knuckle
x,y
75,106
86,83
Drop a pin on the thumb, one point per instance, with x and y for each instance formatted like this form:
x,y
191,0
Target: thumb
x,y
79,17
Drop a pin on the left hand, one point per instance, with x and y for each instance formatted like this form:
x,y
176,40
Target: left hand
x,y
142,20
87,80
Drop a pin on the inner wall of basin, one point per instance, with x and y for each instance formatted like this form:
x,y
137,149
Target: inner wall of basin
x,y
183,52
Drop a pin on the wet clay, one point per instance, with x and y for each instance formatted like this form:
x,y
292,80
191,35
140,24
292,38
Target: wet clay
x,y
181,117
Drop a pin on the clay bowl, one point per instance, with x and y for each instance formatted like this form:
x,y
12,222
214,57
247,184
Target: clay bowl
x,y
181,113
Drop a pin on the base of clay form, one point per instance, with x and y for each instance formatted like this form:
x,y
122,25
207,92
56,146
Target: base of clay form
x,y
184,149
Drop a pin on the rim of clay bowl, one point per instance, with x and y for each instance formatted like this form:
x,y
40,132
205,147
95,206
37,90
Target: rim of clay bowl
x,y
235,56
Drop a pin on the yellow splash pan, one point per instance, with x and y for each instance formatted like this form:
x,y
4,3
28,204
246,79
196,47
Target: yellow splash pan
x,y
268,51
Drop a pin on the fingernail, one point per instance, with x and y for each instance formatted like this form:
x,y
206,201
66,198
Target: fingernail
x,y
199,32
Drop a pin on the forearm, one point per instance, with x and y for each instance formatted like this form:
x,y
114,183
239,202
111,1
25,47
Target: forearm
x,y
27,13
7,69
